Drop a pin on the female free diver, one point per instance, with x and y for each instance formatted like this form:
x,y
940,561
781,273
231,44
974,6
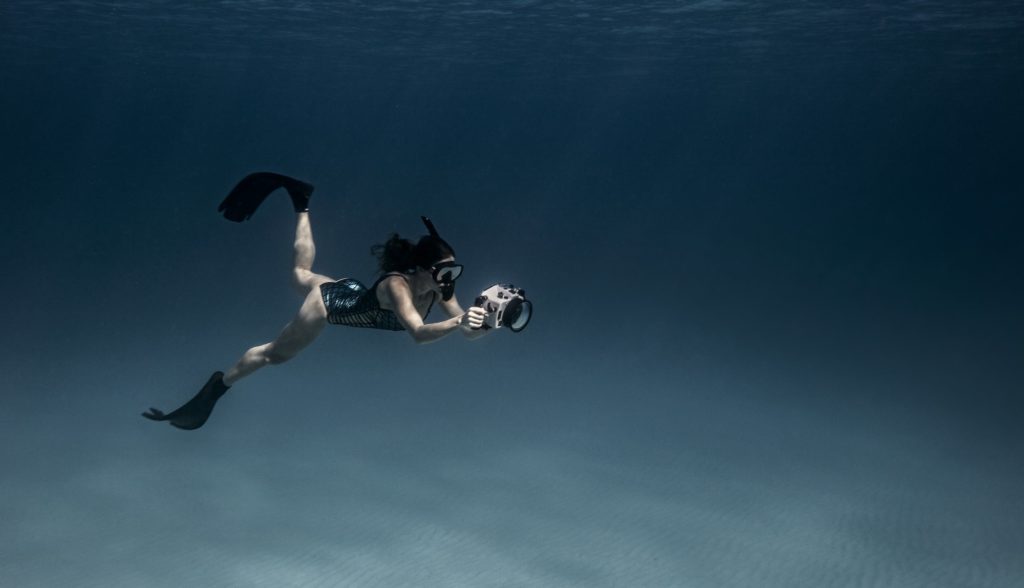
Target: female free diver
x,y
413,278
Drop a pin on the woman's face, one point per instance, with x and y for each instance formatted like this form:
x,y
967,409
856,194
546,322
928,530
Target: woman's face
x,y
428,275
434,285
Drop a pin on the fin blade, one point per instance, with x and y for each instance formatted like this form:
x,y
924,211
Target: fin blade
x,y
243,200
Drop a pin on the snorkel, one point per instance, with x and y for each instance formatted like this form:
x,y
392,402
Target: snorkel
x,y
444,274
431,228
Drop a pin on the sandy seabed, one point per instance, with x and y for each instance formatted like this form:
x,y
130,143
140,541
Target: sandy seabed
x,y
705,490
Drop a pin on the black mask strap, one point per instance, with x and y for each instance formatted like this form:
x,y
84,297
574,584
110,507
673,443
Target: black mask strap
x,y
448,288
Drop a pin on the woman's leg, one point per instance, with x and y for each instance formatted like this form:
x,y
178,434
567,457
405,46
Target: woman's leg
x,y
306,325
303,277
297,334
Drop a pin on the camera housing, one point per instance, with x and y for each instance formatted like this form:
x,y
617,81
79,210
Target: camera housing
x,y
506,306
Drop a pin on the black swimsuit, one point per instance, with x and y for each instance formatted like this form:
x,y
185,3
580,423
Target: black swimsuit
x,y
352,304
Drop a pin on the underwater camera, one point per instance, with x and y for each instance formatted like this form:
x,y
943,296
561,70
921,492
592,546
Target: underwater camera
x,y
506,306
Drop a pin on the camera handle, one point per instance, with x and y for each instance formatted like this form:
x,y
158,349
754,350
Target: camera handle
x,y
480,300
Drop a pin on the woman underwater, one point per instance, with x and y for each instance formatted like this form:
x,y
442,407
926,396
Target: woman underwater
x,y
413,278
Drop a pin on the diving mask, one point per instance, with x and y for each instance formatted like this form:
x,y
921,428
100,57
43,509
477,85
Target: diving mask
x,y
446,272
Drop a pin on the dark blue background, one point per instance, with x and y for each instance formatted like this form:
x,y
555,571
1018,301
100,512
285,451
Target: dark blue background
x,y
737,222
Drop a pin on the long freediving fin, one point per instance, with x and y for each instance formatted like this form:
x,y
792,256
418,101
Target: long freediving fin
x,y
247,195
193,414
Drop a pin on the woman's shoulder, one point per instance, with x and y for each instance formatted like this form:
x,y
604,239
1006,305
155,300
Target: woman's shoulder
x,y
391,284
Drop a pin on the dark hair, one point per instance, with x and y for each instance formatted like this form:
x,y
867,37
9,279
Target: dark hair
x,y
400,255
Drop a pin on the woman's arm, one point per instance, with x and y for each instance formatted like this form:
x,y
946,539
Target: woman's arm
x,y
400,297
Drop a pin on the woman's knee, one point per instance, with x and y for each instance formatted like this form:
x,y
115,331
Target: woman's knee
x,y
302,278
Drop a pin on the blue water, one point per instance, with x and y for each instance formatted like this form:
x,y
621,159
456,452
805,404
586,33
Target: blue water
x,y
774,250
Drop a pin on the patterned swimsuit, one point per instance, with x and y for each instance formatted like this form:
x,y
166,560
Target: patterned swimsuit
x,y
352,304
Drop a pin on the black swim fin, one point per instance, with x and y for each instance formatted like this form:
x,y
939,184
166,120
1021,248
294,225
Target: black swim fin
x,y
193,414
246,197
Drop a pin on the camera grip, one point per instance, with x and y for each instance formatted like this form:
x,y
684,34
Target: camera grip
x,y
481,301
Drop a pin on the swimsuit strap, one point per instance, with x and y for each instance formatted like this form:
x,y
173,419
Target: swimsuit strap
x,y
386,276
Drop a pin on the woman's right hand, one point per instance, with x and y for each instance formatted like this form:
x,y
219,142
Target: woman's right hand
x,y
473,318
